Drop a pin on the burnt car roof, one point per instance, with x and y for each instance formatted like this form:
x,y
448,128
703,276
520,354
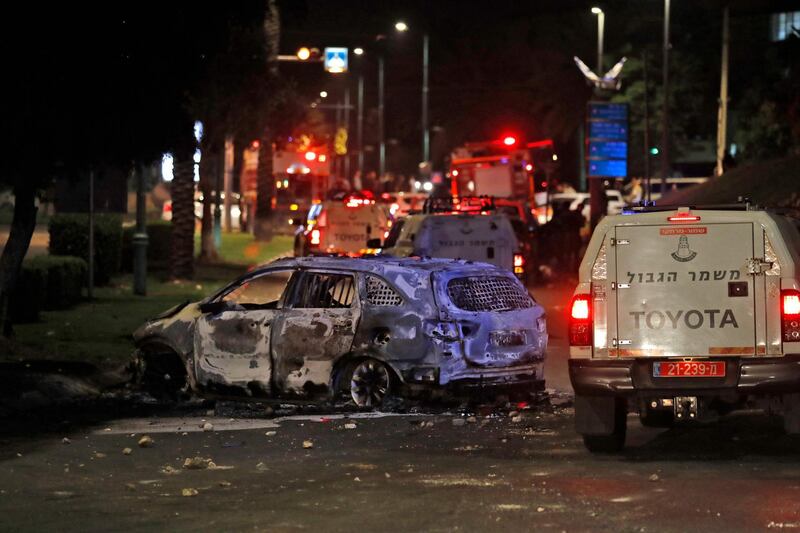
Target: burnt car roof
x,y
378,264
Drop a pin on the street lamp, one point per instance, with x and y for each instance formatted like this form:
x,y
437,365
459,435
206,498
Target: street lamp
x,y
323,94
601,21
303,54
400,26
358,51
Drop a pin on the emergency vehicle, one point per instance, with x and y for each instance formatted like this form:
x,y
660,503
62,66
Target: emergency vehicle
x,y
342,226
302,174
685,314
503,169
464,228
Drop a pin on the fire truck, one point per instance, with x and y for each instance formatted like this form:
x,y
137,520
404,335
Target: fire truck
x,y
504,168
302,172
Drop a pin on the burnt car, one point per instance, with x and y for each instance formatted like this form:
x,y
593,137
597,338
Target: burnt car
x,y
318,327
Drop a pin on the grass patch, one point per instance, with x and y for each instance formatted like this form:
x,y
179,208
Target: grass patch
x,y
243,249
99,332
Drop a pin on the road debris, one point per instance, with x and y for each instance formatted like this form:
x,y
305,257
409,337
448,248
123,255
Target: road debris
x,y
65,440
350,425
458,422
654,477
170,470
189,492
208,426
146,442
471,420
224,484
198,463
126,451
308,444
271,433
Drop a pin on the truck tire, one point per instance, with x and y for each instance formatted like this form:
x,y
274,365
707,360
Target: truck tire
x,y
602,421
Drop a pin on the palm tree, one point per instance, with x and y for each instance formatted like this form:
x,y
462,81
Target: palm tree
x,y
265,188
182,260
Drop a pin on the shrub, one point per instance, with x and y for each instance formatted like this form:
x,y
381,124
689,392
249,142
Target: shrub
x,y
47,282
29,294
69,235
66,277
158,246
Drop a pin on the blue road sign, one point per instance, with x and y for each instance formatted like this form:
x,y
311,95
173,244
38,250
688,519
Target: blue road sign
x,y
607,111
336,60
614,131
608,168
608,149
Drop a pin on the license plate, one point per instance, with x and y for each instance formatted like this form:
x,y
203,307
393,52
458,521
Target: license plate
x,y
689,369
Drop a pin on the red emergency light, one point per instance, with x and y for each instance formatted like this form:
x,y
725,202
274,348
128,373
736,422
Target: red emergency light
x,y
509,140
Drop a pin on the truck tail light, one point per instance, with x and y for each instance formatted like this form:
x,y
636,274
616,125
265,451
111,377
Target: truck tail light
x,y
580,320
790,315
315,237
519,264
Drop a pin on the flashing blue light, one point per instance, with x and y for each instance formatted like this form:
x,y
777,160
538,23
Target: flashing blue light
x,y
504,161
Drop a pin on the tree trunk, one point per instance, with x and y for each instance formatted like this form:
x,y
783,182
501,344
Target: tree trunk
x,y
265,188
208,252
22,226
182,259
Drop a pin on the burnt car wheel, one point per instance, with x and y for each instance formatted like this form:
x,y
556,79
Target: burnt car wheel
x,y
162,375
369,383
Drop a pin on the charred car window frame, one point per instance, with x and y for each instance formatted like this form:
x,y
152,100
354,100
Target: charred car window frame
x,y
299,291
223,293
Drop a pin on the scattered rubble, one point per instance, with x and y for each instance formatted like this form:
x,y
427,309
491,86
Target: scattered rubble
x,y
458,422
654,477
308,444
208,426
65,440
189,492
126,451
350,425
146,442
198,463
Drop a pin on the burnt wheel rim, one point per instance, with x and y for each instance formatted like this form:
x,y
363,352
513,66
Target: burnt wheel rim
x,y
369,383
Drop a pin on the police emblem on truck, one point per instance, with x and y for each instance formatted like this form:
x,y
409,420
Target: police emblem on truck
x,y
683,253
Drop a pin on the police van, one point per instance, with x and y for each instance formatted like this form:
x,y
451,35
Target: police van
x,y
342,226
685,314
456,232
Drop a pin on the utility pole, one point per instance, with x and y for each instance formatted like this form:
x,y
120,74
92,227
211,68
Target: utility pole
x,y
646,126
665,119
360,126
426,136
346,112
140,237
598,205
722,116
601,25
90,289
381,130
228,182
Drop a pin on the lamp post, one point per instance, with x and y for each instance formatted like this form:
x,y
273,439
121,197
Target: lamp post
x,y
601,22
597,194
665,114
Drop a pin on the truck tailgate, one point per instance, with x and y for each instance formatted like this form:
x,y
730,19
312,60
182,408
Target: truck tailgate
x,y
683,290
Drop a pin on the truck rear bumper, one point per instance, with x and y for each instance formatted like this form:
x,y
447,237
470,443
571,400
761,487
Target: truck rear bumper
x,y
633,377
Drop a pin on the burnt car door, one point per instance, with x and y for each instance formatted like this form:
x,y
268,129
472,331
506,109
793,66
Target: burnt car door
x,y
316,327
232,337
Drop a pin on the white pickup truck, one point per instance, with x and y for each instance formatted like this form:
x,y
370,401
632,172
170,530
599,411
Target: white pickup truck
x,y
684,314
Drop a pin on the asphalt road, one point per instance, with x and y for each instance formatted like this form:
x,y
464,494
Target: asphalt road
x,y
434,470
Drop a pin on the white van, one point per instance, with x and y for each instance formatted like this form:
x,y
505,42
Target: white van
x,y
684,314
342,226
488,238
